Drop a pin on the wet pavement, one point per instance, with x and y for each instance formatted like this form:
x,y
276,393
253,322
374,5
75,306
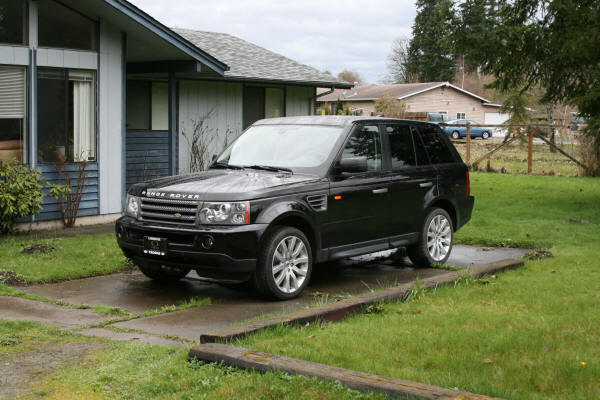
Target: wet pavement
x,y
232,304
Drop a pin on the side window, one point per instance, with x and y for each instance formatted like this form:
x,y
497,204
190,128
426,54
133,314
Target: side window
x,y
365,142
437,149
420,152
401,146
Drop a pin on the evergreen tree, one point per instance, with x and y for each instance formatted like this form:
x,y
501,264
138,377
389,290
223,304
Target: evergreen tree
x,y
431,55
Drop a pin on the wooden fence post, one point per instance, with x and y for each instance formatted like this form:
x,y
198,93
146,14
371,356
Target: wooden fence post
x,y
468,142
530,152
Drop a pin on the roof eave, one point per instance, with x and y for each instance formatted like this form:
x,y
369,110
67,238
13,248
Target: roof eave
x,y
293,82
167,34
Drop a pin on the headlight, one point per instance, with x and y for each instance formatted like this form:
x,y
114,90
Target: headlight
x,y
132,206
225,213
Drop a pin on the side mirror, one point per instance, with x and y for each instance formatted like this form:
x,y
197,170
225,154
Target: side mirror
x,y
353,164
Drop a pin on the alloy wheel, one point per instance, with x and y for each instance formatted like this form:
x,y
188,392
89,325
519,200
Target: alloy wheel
x,y
290,264
439,237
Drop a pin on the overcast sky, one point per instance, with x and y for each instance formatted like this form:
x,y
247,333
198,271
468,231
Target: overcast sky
x,y
328,35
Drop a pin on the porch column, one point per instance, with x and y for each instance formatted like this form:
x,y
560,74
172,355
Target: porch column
x,y
173,123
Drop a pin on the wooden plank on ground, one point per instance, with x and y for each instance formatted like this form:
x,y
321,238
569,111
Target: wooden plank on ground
x,y
362,381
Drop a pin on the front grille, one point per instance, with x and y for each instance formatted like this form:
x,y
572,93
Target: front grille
x,y
317,202
181,212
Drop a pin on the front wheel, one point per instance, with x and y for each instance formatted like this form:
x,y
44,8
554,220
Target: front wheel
x,y
485,135
162,273
284,264
435,240
455,135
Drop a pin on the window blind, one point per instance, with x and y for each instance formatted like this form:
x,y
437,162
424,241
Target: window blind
x,y
12,92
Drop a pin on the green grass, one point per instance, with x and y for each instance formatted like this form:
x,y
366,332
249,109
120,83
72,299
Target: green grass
x,y
75,257
530,333
122,370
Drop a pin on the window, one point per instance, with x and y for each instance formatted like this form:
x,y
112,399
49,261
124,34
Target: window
x,y
66,115
401,146
461,115
13,22
12,114
436,147
422,158
63,27
260,102
147,106
364,142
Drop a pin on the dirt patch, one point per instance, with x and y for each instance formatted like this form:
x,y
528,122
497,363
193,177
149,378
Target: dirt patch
x,y
20,371
38,248
11,278
538,255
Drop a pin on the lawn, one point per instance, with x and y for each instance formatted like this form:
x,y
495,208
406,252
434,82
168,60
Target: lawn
x,y
73,257
122,370
531,333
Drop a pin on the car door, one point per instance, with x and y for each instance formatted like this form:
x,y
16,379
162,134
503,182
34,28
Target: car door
x,y
411,181
358,202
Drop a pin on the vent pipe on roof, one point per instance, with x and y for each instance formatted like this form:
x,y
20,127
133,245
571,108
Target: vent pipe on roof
x,y
355,89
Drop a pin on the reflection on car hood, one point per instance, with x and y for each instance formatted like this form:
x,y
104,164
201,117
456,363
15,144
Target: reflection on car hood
x,y
221,185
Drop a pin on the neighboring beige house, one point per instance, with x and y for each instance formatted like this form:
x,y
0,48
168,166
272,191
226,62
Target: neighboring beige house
x,y
430,97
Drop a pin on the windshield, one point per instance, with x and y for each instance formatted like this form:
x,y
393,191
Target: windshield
x,y
303,148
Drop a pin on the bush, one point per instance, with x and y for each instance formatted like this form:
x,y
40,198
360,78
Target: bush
x,y
390,107
20,193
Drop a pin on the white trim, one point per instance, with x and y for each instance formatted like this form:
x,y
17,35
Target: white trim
x,y
445,84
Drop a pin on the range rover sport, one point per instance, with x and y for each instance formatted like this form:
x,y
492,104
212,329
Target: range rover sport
x,y
294,192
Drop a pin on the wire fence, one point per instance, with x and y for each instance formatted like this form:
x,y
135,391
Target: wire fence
x,y
533,149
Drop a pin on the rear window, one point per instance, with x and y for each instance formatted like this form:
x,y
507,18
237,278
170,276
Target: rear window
x,y
401,146
436,147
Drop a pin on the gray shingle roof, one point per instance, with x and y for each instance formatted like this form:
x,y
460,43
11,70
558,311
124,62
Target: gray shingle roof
x,y
249,61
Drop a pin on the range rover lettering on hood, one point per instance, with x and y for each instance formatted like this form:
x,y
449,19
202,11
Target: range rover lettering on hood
x,y
168,195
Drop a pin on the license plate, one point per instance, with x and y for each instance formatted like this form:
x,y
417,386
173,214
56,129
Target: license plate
x,y
155,246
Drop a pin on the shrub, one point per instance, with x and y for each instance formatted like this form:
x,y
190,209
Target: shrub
x,y
390,106
20,193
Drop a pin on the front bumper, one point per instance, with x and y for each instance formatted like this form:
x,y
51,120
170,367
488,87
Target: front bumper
x,y
232,254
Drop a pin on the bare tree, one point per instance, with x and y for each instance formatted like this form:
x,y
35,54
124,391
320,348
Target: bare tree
x,y
398,61
350,76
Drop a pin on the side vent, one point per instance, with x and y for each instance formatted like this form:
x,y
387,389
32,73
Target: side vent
x,y
317,202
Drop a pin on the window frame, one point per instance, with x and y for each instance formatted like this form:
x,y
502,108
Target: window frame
x,y
25,153
461,115
26,39
264,93
95,108
148,84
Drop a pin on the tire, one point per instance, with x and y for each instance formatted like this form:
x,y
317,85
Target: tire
x,y
485,135
455,135
162,273
423,255
281,274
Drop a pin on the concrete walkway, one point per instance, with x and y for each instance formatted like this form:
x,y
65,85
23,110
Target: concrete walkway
x,y
230,305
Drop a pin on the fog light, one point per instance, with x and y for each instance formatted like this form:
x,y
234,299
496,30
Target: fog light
x,y
207,242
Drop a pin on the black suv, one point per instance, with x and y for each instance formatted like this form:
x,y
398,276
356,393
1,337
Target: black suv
x,y
293,192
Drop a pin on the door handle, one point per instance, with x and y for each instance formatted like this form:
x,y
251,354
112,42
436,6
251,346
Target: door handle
x,y
380,191
426,184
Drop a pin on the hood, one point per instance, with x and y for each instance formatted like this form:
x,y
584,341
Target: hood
x,y
221,185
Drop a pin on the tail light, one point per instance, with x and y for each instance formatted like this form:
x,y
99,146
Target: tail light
x,y
468,184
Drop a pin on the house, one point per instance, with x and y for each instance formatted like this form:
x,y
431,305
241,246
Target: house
x,y
104,82
429,97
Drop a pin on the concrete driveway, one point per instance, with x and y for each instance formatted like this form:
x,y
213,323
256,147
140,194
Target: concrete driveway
x,y
233,304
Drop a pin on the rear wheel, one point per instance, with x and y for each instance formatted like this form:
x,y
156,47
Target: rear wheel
x,y
435,240
163,273
284,265
485,135
455,135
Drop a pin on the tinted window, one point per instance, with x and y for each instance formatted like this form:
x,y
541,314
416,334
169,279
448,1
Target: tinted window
x,y
437,149
60,26
422,158
13,22
401,146
364,142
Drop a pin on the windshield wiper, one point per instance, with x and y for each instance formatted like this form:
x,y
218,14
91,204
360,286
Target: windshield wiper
x,y
225,165
269,168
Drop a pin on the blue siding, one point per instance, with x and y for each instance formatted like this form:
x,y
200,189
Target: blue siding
x,y
146,156
89,199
